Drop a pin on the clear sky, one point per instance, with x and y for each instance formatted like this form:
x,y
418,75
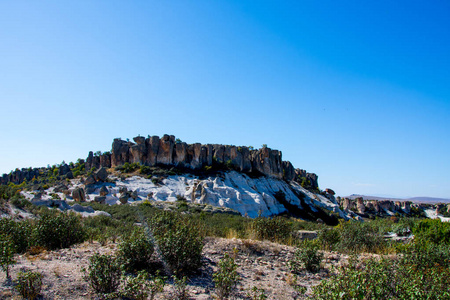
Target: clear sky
x,y
355,91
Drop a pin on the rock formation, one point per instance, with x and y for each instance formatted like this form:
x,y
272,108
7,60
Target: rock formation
x,y
152,151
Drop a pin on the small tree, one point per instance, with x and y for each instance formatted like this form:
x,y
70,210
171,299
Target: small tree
x,y
6,254
103,273
226,278
29,284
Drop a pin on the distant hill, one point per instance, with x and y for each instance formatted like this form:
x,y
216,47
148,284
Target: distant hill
x,y
423,199
429,200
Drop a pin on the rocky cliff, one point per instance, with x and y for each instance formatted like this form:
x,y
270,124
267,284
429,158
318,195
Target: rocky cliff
x,y
153,150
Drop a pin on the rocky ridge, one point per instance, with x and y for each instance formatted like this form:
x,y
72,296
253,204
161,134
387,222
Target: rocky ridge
x,y
167,150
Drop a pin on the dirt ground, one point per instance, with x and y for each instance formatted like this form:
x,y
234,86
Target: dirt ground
x,y
261,264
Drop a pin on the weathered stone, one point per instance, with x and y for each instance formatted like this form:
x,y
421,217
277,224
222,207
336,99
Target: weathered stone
x,y
330,192
78,195
120,152
152,150
180,154
140,140
194,152
60,188
124,199
105,160
406,207
268,162
90,180
288,171
101,175
166,146
134,195
305,235
218,151
100,199
360,205
103,191
64,169
89,189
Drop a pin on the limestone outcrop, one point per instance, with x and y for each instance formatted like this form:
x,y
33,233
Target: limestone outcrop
x,y
152,151
168,151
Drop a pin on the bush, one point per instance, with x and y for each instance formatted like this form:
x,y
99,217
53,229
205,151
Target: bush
x,y
19,233
357,237
226,277
276,229
6,253
29,284
58,230
307,257
135,251
140,287
103,273
385,279
256,293
180,291
329,238
179,242
432,231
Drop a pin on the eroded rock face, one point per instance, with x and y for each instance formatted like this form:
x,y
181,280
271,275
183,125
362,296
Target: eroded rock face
x,y
103,191
101,175
360,205
79,195
153,150
166,151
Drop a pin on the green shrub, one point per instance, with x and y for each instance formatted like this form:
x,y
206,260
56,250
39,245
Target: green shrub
x,y
19,232
277,229
375,280
226,277
308,258
179,291
29,284
385,279
432,231
135,251
6,253
103,273
179,241
141,286
357,237
329,238
58,230
256,293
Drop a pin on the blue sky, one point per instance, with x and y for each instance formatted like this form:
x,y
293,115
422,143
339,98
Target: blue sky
x,y
356,92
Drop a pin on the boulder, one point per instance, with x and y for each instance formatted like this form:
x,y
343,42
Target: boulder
x,y
89,189
305,235
64,169
134,195
90,180
103,191
124,198
78,195
101,175
60,188
330,192
100,199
